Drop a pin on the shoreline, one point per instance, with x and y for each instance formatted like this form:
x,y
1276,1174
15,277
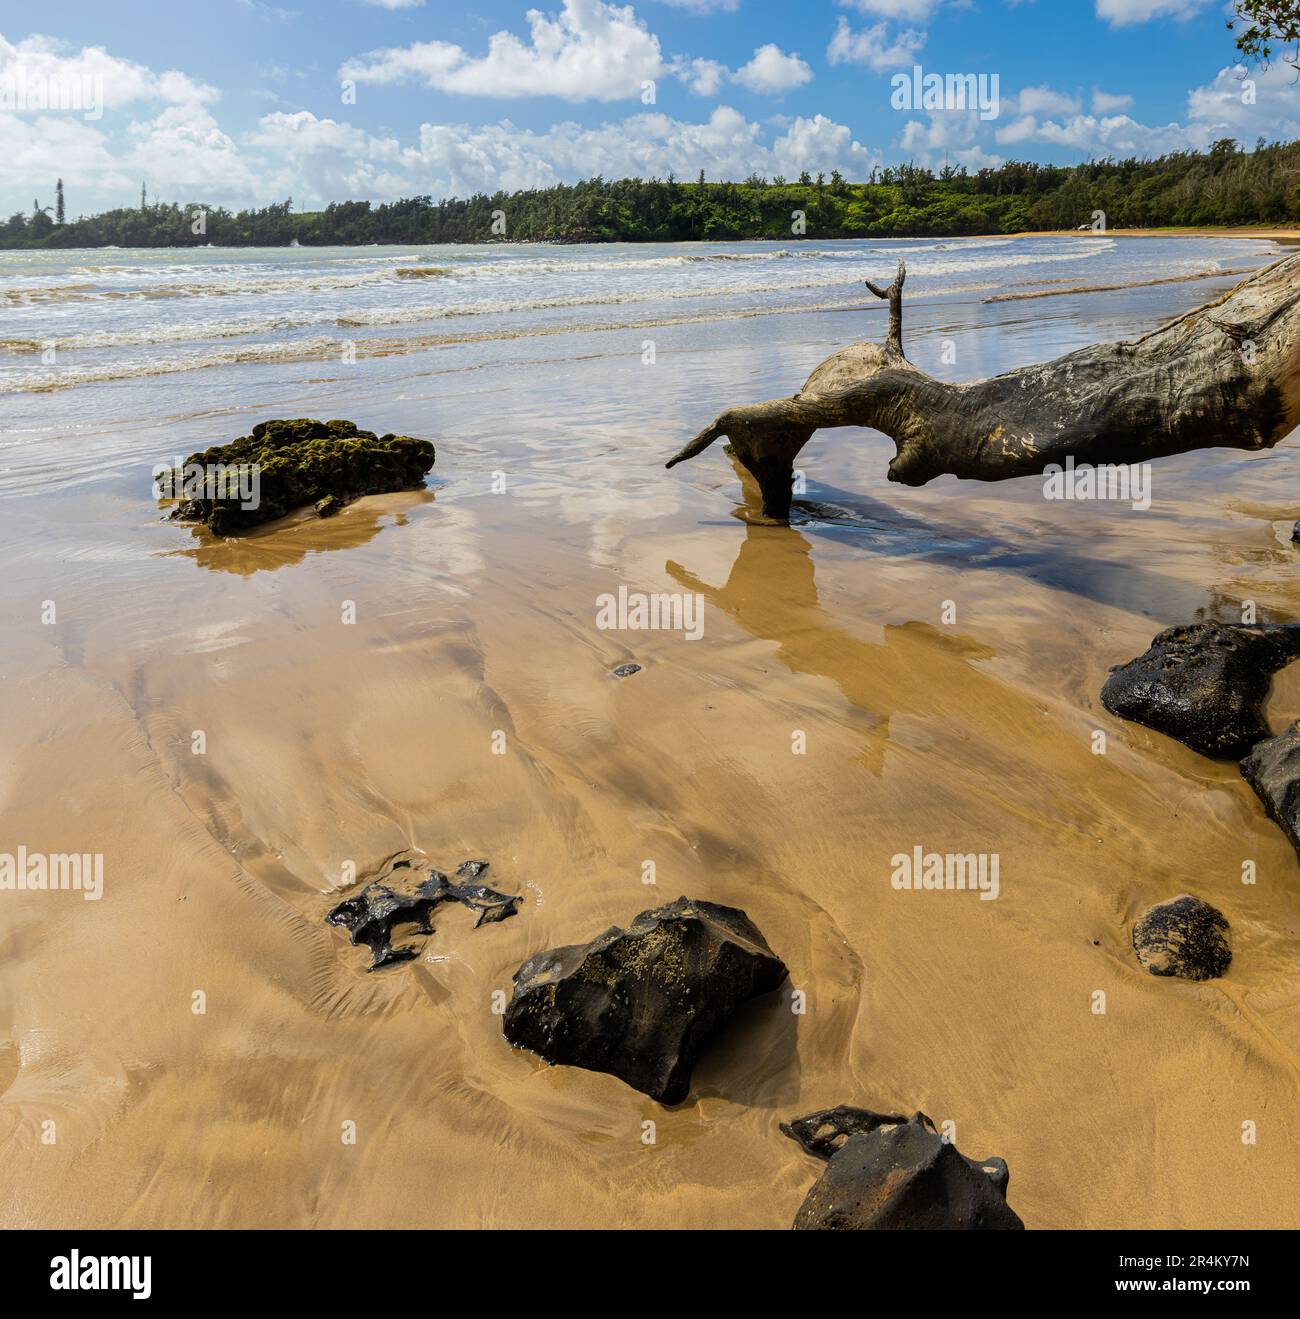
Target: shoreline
x,y
1267,233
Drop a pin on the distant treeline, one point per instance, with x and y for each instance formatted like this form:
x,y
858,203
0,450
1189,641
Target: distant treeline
x,y
1222,186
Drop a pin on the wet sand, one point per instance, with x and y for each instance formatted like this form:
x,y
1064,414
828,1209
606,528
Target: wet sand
x,y
329,742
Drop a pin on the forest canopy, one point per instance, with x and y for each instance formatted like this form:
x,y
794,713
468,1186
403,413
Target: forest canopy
x,y
1224,185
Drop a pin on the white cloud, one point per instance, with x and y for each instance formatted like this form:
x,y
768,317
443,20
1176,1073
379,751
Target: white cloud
x,y
873,46
1104,103
913,10
179,149
38,152
316,160
820,144
45,62
1267,105
184,154
772,71
703,77
589,51
1043,100
1125,13
725,146
321,160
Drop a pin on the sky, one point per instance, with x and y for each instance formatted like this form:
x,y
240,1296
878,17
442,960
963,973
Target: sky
x,y
242,102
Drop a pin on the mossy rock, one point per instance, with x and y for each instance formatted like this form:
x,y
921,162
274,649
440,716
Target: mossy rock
x,y
302,461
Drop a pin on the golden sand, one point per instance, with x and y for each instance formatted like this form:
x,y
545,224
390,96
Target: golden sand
x,y
328,742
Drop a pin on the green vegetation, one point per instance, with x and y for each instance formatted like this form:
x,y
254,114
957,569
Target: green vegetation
x,y
1262,25
1222,186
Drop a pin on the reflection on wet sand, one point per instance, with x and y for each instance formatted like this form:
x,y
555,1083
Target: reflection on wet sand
x,y
290,540
771,592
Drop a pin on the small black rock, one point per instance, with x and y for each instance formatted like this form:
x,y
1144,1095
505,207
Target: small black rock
x,y
372,916
643,1003
1204,684
1183,937
1273,770
885,1172
626,670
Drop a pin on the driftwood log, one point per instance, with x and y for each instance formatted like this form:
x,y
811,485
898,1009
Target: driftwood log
x,y
1225,375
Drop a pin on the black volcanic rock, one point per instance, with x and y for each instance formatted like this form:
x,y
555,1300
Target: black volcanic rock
x,y
380,908
643,1003
1183,937
1273,770
298,461
885,1172
1204,684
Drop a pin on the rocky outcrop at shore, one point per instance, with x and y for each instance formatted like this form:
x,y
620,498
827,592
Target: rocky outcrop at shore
x,y
1273,770
1204,684
885,1172
297,462
1183,937
372,917
643,1003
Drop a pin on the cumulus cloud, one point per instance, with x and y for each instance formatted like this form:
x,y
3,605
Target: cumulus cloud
x,y
1265,104
1043,100
1091,135
49,65
772,71
916,11
590,51
181,145
874,47
724,146
1125,13
703,77
1104,103
188,146
1246,105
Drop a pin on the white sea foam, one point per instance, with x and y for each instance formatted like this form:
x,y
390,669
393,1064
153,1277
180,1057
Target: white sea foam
x,y
76,318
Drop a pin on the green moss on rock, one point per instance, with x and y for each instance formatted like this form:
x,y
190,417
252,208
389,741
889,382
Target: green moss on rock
x,y
302,461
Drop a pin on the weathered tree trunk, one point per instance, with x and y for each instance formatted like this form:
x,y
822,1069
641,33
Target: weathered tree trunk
x,y
1226,375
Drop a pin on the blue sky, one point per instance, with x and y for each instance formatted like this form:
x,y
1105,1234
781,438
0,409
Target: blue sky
x,y
244,102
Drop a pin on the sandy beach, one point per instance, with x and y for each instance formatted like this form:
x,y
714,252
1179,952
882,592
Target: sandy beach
x,y
200,1038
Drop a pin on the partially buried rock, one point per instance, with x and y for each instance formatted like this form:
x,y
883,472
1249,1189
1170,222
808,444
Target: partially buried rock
x,y
1273,770
643,1003
1295,533
1183,937
381,907
286,464
625,670
885,1172
1204,684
